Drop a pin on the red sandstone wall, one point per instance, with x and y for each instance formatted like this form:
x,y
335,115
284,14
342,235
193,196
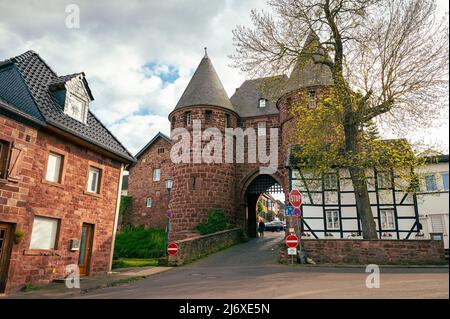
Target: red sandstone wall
x,y
141,186
214,182
380,252
20,201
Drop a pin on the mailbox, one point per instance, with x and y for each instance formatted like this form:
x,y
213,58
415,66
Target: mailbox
x,y
74,245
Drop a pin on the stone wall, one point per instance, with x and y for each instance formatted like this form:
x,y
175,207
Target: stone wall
x,y
193,248
381,252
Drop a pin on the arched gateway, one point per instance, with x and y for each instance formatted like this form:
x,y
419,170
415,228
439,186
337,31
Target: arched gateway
x,y
258,185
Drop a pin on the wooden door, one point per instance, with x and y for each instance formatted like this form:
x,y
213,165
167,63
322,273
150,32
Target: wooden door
x,y
84,257
6,237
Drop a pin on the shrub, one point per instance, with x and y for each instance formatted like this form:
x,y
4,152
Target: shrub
x,y
140,242
125,202
216,222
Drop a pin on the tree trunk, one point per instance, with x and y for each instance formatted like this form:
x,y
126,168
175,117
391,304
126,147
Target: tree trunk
x,y
359,182
363,207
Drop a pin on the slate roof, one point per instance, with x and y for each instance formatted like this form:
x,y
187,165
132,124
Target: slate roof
x,y
36,99
153,140
205,88
306,73
246,98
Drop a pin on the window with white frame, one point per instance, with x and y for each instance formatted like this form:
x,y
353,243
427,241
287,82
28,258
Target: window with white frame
x,y
332,219
156,174
44,233
384,180
54,167
261,128
76,108
262,102
387,219
149,202
444,177
94,180
437,223
430,183
330,181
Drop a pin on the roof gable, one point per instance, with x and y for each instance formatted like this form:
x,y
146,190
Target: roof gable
x,y
38,78
152,141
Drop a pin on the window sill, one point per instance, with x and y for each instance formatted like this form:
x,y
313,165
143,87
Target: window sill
x,y
59,185
41,252
92,194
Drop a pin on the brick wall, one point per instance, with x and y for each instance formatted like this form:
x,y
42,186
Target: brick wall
x,y
141,186
22,199
381,252
193,248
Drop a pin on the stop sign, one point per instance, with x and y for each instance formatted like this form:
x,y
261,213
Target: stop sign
x,y
172,248
295,197
292,241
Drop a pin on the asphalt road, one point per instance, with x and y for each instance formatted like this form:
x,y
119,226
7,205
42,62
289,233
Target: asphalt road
x,y
250,270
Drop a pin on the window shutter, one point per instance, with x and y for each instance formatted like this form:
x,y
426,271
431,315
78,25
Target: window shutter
x,y
15,163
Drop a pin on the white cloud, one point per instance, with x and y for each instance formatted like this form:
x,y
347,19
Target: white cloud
x,y
115,42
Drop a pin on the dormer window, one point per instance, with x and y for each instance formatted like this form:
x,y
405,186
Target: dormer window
x,y
72,93
76,108
262,102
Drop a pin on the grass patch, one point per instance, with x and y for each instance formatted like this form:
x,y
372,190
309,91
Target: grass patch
x,y
134,262
140,242
30,287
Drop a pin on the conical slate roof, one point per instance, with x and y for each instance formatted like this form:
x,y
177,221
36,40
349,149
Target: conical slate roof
x,y
205,88
306,73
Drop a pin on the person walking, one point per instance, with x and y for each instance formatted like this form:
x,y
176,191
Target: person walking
x,y
261,228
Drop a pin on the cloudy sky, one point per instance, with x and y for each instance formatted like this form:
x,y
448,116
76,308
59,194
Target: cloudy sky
x,y
138,56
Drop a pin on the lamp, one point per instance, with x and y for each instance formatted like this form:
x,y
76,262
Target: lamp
x,y
169,183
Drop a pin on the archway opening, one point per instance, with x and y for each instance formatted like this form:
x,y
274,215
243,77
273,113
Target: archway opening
x,y
264,201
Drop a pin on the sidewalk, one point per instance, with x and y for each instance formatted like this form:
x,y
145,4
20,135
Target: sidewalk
x,y
57,290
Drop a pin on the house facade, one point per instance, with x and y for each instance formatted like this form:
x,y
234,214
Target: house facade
x,y
432,197
146,184
60,176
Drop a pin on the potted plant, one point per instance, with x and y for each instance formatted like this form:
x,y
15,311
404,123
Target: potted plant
x,y
18,236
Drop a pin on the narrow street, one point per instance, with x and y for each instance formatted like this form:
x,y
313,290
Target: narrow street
x,y
250,270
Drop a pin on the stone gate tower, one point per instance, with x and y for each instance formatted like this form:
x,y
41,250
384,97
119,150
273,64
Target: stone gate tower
x,y
201,186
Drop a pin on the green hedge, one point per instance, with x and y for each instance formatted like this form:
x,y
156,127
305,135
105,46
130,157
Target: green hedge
x,y
125,202
140,242
216,222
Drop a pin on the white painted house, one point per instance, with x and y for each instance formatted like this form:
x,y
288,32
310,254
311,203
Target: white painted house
x,y
432,198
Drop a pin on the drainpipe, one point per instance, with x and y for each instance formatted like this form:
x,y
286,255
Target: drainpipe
x,y
116,218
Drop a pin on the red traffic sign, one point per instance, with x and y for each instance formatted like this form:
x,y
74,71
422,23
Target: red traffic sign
x,y
295,197
292,241
172,249
297,212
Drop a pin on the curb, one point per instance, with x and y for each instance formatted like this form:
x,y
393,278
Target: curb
x,y
364,266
